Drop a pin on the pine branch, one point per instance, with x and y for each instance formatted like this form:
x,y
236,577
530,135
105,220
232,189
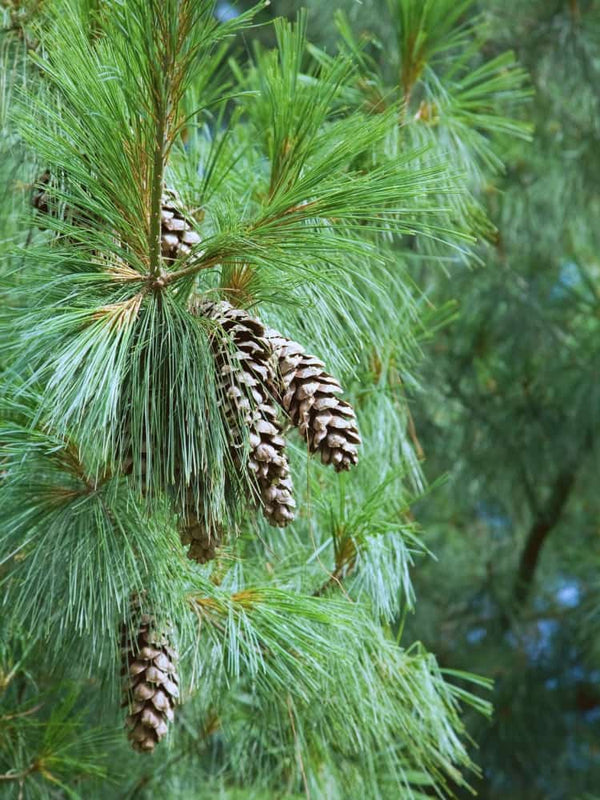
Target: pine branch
x,y
545,522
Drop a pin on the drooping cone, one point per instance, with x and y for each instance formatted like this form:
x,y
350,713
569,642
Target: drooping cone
x,y
310,396
150,681
177,237
202,546
246,379
193,532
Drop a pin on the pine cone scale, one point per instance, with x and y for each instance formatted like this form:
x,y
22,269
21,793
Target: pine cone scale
x,y
177,235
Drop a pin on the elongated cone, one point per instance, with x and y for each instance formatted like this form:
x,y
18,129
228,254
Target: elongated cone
x,y
310,396
151,684
246,378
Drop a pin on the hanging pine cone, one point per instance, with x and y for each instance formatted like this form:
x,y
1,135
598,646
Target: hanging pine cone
x,y
202,546
309,395
202,543
245,378
150,681
177,235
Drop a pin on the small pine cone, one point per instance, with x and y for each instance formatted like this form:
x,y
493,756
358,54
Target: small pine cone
x,y
203,544
309,395
150,682
202,547
177,237
246,374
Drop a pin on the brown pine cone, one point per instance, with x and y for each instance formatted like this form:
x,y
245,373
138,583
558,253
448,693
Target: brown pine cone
x,y
246,377
150,682
309,395
193,532
202,547
177,237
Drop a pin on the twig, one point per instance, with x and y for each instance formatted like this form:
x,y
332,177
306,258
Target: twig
x,y
22,713
544,523
20,776
335,577
186,272
196,267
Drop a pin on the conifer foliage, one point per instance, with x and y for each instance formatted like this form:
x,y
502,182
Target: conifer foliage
x,y
192,206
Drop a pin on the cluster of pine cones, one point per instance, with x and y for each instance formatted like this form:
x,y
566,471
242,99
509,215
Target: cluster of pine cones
x,y
266,381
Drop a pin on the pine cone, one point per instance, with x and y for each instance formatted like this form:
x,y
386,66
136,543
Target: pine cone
x,y
177,235
308,394
203,544
151,681
246,375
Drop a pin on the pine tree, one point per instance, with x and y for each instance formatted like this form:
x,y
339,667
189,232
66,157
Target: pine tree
x,y
198,227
